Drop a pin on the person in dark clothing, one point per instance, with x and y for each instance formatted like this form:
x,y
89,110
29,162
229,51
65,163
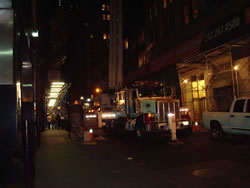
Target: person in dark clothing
x,y
58,119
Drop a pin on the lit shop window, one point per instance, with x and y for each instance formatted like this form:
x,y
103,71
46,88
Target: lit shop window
x,y
198,87
126,44
104,17
195,9
108,17
104,36
165,3
103,7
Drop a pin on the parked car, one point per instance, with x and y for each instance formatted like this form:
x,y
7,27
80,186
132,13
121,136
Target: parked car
x,y
236,121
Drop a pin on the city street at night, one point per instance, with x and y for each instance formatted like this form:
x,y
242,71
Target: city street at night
x,y
123,161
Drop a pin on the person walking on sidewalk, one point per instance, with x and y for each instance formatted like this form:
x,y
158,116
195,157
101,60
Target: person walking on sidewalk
x,y
58,121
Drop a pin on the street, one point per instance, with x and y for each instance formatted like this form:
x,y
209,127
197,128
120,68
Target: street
x,y
123,161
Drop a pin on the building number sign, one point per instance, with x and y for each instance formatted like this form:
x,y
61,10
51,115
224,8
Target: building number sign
x,y
222,29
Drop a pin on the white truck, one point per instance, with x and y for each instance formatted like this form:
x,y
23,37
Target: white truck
x,y
236,121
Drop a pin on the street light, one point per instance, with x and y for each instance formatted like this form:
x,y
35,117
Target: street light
x,y
236,67
97,90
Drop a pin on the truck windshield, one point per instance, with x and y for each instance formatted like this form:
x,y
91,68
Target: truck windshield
x,y
151,92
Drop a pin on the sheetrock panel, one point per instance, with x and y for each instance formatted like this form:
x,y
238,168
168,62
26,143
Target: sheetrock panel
x,y
6,47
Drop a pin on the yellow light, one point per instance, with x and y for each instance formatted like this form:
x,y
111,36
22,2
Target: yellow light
x,y
149,115
97,90
121,102
76,102
185,81
236,67
51,102
59,108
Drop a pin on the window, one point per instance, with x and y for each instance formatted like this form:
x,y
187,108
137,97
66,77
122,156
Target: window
x,y
126,44
150,14
104,36
198,87
195,9
155,8
104,17
248,106
103,7
186,14
108,17
239,105
165,4
108,8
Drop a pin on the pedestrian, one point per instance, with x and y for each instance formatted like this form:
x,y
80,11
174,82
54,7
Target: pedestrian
x,y
68,125
58,121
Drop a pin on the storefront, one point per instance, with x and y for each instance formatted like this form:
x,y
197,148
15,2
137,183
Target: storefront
x,y
210,80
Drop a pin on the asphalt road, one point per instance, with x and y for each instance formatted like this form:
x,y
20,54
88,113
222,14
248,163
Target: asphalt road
x,y
123,161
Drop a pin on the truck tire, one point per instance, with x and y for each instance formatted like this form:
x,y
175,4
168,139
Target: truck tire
x,y
216,131
140,129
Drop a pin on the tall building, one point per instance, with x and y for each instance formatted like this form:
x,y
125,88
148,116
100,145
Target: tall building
x,y
197,48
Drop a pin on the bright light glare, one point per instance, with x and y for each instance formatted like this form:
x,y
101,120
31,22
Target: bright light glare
x,y
185,123
91,116
108,115
55,90
184,109
196,123
90,130
35,34
88,100
58,83
52,102
236,67
170,115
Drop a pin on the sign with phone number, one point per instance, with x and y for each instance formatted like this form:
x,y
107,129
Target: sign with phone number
x,y
222,29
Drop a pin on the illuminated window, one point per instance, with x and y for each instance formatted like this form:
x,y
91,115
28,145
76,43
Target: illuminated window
x,y
108,8
104,36
126,44
141,60
108,17
165,3
104,17
186,14
103,7
155,8
195,9
198,87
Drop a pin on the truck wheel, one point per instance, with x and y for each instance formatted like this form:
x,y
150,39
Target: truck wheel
x,y
216,131
140,131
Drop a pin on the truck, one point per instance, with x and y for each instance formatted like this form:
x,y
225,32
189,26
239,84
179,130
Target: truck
x,y
144,107
236,121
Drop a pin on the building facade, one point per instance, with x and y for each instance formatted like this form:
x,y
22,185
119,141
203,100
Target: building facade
x,y
195,47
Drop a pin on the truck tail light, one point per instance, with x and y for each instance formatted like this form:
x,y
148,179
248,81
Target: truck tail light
x,y
149,117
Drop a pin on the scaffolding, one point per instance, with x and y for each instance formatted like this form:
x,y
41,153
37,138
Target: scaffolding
x,y
211,80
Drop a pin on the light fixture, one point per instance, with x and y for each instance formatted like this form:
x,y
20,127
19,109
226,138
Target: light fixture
x,y
236,67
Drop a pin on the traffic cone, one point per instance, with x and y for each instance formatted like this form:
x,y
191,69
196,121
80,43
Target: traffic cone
x,y
91,134
196,127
